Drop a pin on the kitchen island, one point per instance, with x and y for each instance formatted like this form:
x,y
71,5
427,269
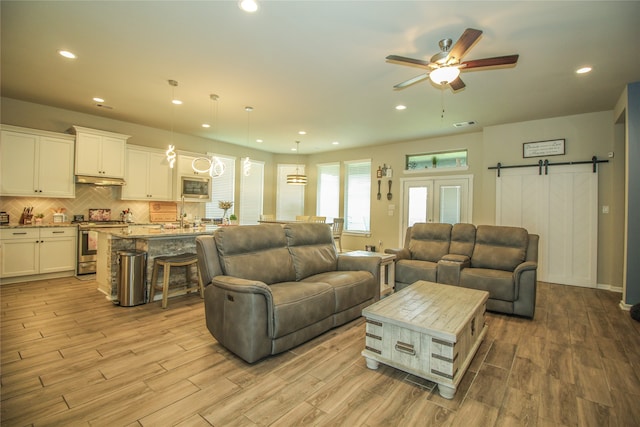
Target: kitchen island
x,y
155,242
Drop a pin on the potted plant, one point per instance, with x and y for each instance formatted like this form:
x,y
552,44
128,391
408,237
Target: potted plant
x,y
39,218
233,219
434,161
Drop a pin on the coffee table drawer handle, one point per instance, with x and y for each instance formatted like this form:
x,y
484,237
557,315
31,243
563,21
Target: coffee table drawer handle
x,y
405,348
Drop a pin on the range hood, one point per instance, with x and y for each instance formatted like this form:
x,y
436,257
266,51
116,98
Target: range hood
x,y
96,180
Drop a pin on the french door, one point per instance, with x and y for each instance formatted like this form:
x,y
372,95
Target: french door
x,y
438,199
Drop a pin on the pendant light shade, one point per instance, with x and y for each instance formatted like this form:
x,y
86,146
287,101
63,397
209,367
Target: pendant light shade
x,y
297,178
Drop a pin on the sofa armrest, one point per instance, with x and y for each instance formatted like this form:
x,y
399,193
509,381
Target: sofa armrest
x,y
449,268
362,263
460,259
525,280
235,287
400,253
356,263
525,266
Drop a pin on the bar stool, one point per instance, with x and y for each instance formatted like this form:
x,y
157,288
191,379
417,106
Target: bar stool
x,y
166,262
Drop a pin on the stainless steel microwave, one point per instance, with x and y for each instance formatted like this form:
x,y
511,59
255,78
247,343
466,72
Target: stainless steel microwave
x,y
195,187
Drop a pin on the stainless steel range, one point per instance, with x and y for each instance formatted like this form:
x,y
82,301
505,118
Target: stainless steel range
x,y
88,243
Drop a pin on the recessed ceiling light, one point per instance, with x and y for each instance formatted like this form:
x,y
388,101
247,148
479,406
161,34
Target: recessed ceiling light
x,y
335,143
98,99
302,132
176,102
583,70
294,149
259,141
206,125
248,5
401,107
67,54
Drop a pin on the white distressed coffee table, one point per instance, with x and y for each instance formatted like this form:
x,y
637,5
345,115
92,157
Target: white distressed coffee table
x,y
427,329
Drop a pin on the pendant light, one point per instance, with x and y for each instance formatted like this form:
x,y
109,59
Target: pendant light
x,y
297,178
246,164
171,154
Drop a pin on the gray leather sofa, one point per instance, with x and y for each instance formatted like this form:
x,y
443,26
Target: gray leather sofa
x,y
498,259
271,287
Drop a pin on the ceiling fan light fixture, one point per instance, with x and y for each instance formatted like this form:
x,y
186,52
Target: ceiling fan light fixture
x,y
248,5
444,75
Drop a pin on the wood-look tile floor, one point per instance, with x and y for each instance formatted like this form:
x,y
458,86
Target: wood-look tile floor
x,y
70,357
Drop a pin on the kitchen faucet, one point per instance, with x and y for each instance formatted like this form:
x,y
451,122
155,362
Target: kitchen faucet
x,y
182,212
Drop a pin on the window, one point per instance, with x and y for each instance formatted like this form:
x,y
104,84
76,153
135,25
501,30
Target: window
x,y
358,196
222,187
442,159
328,204
251,193
290,197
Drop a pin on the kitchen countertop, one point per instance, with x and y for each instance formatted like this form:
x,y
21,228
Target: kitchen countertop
x,y
47,225
141,232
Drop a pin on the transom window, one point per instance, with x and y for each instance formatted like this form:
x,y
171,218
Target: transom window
x,y
442,159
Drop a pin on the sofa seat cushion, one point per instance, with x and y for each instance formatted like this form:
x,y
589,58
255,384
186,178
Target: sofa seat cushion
x,y
351,287
498,283
412,270
297,305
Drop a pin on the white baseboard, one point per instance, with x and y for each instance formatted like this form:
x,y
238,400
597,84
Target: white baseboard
x,y
612,288
625,306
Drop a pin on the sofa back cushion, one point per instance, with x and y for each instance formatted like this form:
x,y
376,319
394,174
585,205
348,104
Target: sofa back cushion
x,y
255,252
429,241
463,239
499,247
312,248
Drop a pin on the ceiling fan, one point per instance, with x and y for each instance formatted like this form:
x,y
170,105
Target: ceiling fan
x,y
445,66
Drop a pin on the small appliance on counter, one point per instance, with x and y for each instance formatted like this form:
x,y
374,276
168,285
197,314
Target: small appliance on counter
x,y
78,218
4,218
59,218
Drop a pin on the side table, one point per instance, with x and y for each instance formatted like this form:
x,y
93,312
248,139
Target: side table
x,y
387,269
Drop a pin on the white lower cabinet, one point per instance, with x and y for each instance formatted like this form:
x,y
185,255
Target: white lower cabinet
x,y
37,251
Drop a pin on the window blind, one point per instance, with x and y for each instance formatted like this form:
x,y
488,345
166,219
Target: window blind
x,y
222,187
328,202
358,196
290,197
251,193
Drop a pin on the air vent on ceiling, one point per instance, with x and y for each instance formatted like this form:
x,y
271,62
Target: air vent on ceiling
x,y
464,124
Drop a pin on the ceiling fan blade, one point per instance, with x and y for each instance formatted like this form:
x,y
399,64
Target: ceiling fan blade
x,y
409,82
466,40
457,84
491,62
407,61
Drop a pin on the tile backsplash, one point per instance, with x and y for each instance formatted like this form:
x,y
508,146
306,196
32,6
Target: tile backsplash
x,y
87,197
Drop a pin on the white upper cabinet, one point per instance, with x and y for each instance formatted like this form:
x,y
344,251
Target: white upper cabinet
x,y
100,153
36,163
148,176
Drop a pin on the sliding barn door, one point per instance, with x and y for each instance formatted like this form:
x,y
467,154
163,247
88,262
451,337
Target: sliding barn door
x,y
562,207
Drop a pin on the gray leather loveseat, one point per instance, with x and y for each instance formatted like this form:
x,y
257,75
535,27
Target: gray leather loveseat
x,y
500,260
271,287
